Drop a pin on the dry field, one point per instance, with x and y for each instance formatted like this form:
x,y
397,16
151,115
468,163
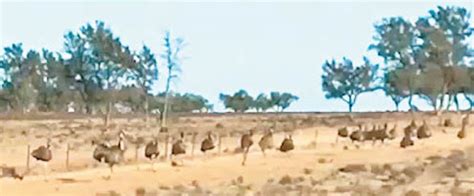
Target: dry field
x,y
440,165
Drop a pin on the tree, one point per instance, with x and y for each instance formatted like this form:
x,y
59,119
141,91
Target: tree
x,y
262,103
53,91
392,88
444,34
80,72
109,58
395,42
20,77
346,82
241,101
172,57
144,73
282,100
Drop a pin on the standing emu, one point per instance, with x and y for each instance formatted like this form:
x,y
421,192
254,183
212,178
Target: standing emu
x,y
287,144
112,155
208,143
44,155
266,142
152,151
178,148
245,143
462,133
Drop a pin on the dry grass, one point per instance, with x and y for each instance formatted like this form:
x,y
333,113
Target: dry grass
x,y
313,168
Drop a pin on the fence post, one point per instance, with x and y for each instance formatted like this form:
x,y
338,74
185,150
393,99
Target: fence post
x,y
166,145
28,158
219,144
67,156
193,144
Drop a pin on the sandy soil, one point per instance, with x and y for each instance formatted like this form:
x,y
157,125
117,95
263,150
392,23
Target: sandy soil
x,y
313,168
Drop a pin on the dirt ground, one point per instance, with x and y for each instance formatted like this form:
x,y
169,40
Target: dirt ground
x,y
439,165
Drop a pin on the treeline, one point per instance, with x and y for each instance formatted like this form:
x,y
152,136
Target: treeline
x,y
241,101
431,59
98,73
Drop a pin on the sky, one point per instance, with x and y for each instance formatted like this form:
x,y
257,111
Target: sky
x,y
256,46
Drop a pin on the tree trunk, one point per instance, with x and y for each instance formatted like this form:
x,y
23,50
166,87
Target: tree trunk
x,y
456,102
146,112
165,109
107,115
450,98
410,102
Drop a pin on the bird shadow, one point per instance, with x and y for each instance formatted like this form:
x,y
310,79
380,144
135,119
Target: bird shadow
x,y
71,180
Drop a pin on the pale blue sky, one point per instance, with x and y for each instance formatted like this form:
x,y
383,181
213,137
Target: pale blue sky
x,y
260,47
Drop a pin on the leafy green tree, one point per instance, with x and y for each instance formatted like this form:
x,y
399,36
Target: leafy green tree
x,y
240,101
262,103
444,34
395,42
282,100
345,81
144,73
20,77
53,91
392,87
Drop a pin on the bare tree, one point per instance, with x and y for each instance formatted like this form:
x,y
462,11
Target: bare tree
x,y
173,48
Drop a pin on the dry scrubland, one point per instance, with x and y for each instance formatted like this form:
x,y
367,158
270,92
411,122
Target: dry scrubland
x,y
442,164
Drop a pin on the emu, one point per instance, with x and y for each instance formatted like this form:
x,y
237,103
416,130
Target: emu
x,y
357,135
287,144
112,155
152,151
393,132
462,133
208,143
406,141
266,142
381,134
423,131
44,155
178,148
342,132
245,143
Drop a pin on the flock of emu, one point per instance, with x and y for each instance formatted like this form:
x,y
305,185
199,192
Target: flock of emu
x,y
112,155
382,133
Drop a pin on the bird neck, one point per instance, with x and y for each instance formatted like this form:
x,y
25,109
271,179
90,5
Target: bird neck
x,y
121,144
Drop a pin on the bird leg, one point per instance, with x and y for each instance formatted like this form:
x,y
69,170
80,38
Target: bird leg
x,y
245,156
153,165
45,171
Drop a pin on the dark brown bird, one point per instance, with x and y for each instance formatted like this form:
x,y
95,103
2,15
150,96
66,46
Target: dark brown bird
x,y
381,134
44,155
448,123
357,135
342,132
410,129
112,155
245,143
287,144
406,141
462,133
152,151
423,131
178,148
208,143
266,142
393,132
